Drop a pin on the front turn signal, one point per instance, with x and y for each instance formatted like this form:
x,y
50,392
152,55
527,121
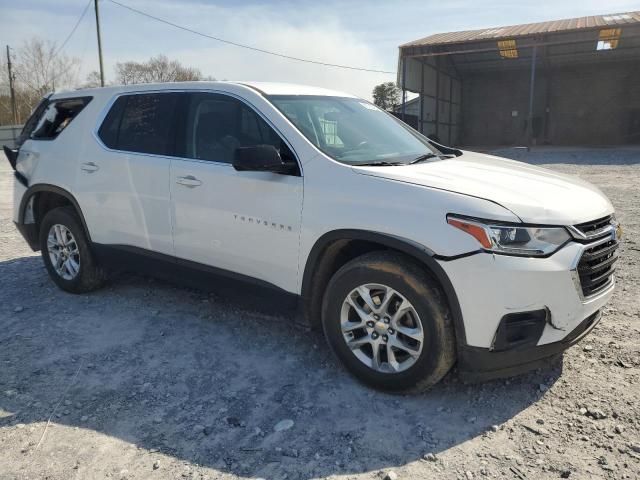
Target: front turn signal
x,y
476,231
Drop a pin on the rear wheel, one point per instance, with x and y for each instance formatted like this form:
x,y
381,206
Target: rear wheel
x,y
66,253
388,322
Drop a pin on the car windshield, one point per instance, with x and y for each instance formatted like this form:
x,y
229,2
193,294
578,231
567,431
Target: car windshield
x,y
354,131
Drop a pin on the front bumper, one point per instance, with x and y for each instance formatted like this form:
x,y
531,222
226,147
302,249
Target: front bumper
x,y
491,287
479,364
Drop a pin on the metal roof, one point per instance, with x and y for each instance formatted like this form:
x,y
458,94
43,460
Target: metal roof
x,y
514,31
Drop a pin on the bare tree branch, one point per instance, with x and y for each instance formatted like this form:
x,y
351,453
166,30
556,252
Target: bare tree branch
x,y
156,70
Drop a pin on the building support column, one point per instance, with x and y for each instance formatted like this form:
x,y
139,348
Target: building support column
x,y
404,86
450,107
532,85
421,116
437,99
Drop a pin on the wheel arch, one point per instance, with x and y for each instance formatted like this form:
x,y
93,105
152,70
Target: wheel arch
x,y
334,248
39,199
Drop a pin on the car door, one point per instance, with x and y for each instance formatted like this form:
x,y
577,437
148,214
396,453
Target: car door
x,y
122,183
243,222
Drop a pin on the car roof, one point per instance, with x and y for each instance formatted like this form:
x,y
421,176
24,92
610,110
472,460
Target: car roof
x,y
265,88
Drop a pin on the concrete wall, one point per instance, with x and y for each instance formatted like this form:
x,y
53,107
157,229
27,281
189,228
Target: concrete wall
x,y
595,104
8,134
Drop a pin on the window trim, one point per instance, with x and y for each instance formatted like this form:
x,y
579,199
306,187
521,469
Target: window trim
x,y
86,98
103,115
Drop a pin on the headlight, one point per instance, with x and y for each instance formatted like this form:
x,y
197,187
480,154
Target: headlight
x,y
512,239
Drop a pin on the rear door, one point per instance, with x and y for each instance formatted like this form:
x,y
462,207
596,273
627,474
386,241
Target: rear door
x,y
244,222
122,182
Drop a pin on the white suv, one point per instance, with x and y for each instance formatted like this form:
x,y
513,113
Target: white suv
x,y
410,255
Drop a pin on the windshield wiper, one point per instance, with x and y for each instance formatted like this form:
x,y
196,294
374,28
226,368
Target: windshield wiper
x,y
378,164
428,156
423,158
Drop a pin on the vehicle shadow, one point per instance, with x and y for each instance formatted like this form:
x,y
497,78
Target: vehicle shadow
x,y
205,380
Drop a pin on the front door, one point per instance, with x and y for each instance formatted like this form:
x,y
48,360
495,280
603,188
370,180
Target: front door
x,y
244,222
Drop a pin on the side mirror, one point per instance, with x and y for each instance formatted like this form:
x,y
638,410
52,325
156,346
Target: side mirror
x,y
259,158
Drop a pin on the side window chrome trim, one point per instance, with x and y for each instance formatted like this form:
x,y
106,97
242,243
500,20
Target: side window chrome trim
x,y
103,114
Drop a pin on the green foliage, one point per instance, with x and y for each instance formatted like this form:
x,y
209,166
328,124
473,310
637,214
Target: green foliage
x,y
386,95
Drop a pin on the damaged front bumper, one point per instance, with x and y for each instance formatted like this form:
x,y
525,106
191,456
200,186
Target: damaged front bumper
x,y
479,364
520,313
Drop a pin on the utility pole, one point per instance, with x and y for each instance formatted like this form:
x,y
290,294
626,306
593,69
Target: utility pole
x,y
11,89
95,3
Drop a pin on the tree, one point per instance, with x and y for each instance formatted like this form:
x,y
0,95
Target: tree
x,y
386,95
39,67
155,70
92,80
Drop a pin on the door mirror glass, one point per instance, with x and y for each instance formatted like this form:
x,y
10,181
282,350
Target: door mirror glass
x,y
259,158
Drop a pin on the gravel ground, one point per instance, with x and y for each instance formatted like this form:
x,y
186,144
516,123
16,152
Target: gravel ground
x,y
152,381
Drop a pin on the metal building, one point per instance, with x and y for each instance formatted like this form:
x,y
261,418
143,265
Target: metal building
x,y
563,82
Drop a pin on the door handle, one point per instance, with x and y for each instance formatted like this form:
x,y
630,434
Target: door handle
x,y
189,181
89,167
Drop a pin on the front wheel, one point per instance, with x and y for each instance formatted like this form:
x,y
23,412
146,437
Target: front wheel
x,y
66,253
388,322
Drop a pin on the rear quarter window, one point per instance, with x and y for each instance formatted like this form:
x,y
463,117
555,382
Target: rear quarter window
x,y
57,116
141,123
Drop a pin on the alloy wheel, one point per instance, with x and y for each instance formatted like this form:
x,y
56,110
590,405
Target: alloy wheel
x,y
63,252
381,328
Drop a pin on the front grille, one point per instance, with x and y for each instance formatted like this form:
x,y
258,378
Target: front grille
x,y
596,267
595,227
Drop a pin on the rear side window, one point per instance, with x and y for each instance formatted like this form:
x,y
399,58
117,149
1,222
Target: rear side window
x,y
57,116
141,123
31,123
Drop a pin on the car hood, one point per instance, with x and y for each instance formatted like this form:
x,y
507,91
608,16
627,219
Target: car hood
x,y
534,194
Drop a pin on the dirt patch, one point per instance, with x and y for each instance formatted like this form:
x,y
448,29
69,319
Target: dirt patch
x,y
147,380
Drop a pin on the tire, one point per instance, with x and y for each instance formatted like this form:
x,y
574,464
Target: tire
x,y
428,317
88,275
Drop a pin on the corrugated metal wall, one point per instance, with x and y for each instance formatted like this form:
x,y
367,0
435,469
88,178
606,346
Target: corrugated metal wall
x,y
440,92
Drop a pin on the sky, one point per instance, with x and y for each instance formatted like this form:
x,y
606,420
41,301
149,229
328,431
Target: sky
x,y
357,33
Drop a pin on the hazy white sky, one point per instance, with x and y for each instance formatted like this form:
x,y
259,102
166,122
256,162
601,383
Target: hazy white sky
x,y
357,33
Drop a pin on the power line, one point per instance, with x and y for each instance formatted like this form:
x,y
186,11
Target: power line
x,y
73,30
57,51
248,47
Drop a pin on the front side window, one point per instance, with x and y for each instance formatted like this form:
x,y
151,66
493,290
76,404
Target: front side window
x,y
141,123
57,115
353,131
216,125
